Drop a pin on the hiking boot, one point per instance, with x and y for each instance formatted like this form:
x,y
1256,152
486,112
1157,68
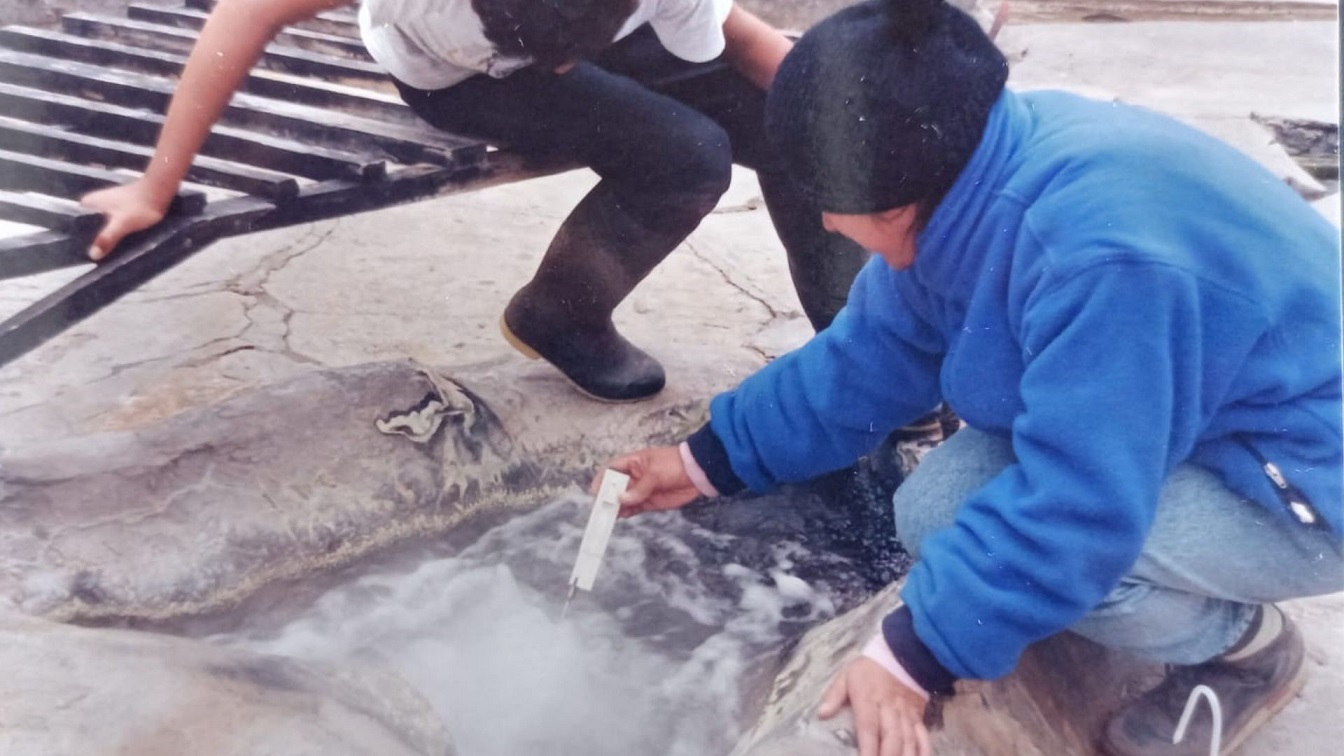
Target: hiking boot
x,y
1250,691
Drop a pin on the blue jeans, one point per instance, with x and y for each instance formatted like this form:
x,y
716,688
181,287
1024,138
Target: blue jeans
x,y
1211,558
663,135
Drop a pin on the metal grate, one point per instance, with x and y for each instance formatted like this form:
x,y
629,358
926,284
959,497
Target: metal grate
x,y
315,132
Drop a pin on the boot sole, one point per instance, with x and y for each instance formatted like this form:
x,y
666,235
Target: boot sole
x,y
1272,707
516,342
532,354
1285,697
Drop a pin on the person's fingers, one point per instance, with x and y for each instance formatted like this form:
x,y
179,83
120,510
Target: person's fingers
x,y
867,717
892,733
111,233
834,698
640,491
117,228
93,201
620,464
922,745
630,510
867,728
664,501
625,464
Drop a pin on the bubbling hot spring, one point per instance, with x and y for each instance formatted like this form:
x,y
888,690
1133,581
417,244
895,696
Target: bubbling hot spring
x,y
659,659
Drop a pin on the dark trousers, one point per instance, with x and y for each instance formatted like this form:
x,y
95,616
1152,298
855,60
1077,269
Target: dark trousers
x,y
662,134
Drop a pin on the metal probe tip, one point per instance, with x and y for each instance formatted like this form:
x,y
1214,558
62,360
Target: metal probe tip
x,y
568,598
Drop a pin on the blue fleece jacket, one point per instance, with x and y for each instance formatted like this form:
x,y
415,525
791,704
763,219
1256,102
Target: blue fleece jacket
x,y
1115,292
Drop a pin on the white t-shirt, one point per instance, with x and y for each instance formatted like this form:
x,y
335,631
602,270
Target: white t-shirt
x,y
432,44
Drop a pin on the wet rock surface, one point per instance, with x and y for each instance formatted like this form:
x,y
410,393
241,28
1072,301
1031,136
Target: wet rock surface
x,y
69,690
1054,703
308,475
844,517
193,523
197,512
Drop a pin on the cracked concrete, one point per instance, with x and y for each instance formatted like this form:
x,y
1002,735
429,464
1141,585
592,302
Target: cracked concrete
x,y
270,306
761,349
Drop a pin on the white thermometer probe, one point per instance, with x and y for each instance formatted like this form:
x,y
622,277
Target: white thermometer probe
x,y
595,537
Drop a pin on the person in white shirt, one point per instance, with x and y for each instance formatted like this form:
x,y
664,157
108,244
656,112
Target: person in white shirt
x,y
567,80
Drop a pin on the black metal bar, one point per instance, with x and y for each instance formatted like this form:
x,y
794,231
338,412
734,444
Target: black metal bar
x,y
307,91
333,199
154,251
43,251
25,173
282,154
45,141
407,144
51,213
141,257
171,39
100,52
188,18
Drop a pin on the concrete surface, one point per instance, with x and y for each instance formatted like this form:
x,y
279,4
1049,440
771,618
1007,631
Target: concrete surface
x,y
429,281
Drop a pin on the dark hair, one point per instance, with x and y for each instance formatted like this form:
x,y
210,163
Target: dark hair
x,y
552,32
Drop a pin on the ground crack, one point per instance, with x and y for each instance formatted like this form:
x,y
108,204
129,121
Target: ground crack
x,y
255,280
252,285
774,314
723,273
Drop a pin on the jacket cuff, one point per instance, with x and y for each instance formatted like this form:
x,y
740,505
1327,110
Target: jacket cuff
x,y
878,651
712,457
899,631
693,471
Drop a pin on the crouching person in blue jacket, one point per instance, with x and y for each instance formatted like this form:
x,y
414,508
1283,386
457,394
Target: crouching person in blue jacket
x,y
1140,328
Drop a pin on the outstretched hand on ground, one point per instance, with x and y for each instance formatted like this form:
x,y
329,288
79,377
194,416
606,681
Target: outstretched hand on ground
x,y
888,715
128,208
658,480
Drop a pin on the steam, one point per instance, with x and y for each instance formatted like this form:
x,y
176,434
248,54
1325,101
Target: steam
x,y
652,662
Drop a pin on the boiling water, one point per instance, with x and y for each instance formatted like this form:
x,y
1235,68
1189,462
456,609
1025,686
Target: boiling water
x,y
652,662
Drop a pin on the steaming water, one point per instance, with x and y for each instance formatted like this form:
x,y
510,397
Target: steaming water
x,y
652,662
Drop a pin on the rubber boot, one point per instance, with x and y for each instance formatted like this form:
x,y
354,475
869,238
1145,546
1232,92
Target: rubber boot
x,y
563,315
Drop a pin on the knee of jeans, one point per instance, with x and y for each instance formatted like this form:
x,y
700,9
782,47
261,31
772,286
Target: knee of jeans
x,y
915,520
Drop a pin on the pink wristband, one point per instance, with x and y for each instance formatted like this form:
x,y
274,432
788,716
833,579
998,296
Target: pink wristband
x,y
878,650
693,471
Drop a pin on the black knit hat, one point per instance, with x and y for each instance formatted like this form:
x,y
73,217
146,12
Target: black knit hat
x,y
882,104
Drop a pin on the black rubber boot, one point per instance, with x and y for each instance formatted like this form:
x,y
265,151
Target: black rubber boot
x,y
1249,691
563,315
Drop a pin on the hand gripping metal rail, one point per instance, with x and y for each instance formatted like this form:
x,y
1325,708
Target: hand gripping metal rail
x,y
316,131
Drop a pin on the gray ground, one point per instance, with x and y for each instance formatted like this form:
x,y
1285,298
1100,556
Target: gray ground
x,y
430,280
